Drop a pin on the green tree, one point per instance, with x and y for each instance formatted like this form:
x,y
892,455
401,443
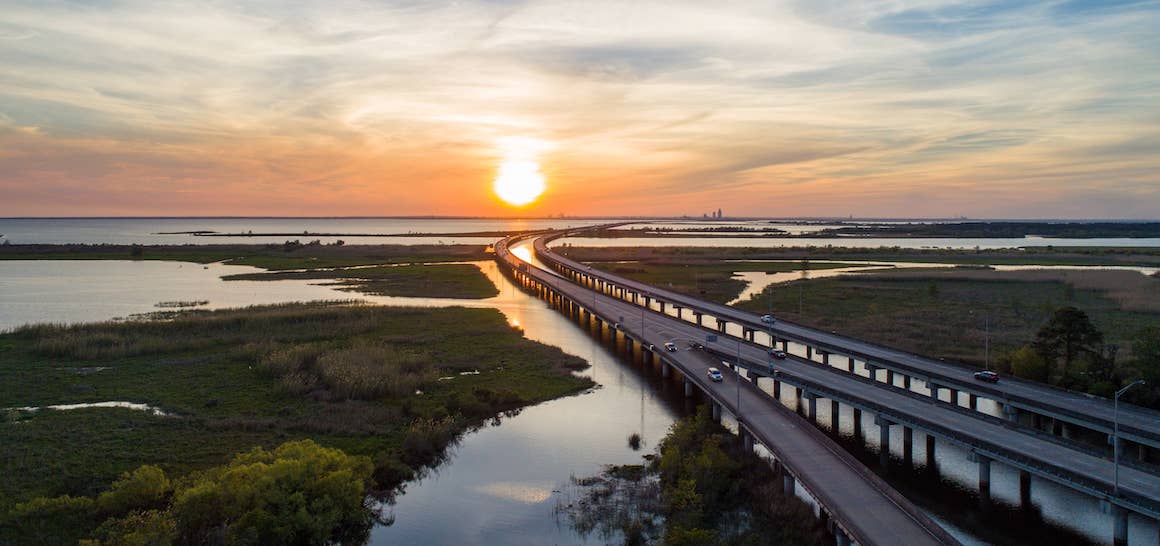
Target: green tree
x,y
1028,364
1066,335
142,489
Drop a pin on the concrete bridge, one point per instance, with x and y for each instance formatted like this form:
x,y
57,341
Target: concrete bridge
x,y
1022,401
857,505
988,439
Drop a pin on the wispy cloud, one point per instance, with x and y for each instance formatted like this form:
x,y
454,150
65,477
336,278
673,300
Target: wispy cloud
x,y
792,108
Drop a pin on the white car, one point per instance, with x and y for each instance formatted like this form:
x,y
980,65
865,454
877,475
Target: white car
x,y
715,375
768,319
671,347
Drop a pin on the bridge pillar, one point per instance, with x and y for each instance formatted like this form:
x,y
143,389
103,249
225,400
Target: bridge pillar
x,y
696,315
1011,413
954,396
973,401
872,370
809,352
776,389
840,538
787,484
907,446
1024,489
662,305
750,374
627,343
933,390
984,476
883,439
647,301
716,412
812,400
850,365
857,424
930,462
1120,536
747,333
798,399
666,370
906,382
688,388
834,417
889,377
680,312
747,441
825,358
721,324
785,345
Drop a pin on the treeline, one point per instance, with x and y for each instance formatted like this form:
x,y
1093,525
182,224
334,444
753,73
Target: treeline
x,y
1002,230
298,493
1070,352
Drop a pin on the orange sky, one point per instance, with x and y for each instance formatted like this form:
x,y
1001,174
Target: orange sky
x,y
923,108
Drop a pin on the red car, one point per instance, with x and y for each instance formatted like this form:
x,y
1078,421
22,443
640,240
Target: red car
x,y
988,376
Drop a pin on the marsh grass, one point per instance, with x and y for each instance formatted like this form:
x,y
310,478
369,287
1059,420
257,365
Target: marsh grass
x,y
358,377
415,280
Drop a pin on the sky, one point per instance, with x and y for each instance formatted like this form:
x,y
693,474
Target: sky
x,y
899,108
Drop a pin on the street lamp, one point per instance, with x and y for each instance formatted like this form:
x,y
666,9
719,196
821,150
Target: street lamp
x,y
1116,436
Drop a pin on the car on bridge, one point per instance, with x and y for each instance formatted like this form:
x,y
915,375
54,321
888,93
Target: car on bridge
x,y
988,376
780,355
768,319
671,347
715,375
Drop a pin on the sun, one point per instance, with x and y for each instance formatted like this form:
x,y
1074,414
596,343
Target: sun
x,y
519,182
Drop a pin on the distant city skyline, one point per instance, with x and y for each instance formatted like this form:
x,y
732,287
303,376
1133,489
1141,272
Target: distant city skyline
x,y
909,108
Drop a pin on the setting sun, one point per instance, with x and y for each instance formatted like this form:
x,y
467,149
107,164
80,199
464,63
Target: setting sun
x,y
519,182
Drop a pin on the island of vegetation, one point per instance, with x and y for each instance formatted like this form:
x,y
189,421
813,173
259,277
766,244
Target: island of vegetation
x,y
700,487
337,404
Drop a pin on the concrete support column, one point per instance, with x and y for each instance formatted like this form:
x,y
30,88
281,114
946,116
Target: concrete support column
x,y
797,396
662,305
907,445
809,352
776,388
872,370
785,345
787,484
857,423
813,402
688,388
666,370
681,313
834,417
930,462
889,377
883,440
747,441
984,476
954,396
721,325
696,315
906,382
1024,489
973,401
1011,413
933,390
1120,536
850,365
840,538
716,412
825,358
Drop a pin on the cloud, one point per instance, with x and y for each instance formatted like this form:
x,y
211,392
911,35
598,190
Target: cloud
x,y
403,107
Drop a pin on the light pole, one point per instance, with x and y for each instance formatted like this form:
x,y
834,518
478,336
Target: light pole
x,y
1116,436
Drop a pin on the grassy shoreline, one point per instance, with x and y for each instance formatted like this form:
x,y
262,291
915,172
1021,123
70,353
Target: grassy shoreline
x,y
395,384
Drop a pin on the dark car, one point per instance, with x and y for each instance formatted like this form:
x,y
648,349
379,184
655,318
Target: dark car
x,y
777,354
715,375
671,347
988,376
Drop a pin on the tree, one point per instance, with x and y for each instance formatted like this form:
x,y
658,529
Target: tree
x,y
1026,363
1066,335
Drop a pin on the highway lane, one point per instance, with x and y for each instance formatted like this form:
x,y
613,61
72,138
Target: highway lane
x,y
1136,424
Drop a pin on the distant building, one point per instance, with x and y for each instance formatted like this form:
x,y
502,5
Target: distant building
x,y
720,214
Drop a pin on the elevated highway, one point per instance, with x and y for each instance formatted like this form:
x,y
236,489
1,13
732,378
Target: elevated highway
x,y
987,439
1139,426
